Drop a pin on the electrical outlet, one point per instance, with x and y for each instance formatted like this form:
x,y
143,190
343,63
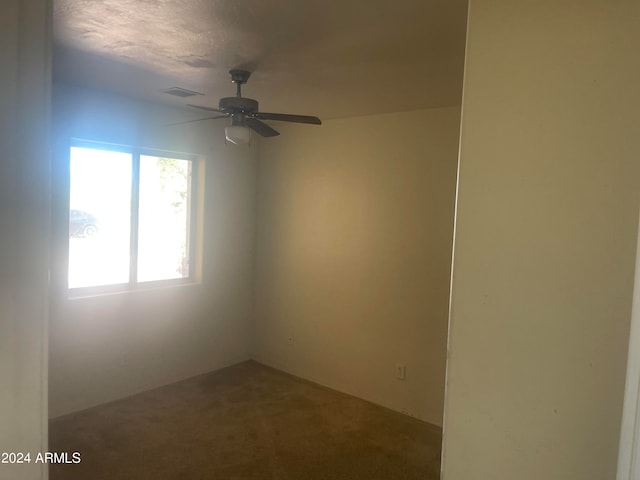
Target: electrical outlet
x,y
401,371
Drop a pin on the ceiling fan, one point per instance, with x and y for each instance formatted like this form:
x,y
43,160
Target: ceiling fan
x,y
245,115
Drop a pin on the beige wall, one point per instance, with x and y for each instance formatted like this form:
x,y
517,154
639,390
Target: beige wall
x,y
111,346
545,240
353,255
24,245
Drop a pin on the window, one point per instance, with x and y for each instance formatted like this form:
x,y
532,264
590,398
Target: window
x,y
130,216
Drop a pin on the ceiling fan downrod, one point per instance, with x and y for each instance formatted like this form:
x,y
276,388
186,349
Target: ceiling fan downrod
x,y
239,77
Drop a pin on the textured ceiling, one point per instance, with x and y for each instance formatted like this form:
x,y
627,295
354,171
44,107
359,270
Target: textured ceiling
x,y
331,58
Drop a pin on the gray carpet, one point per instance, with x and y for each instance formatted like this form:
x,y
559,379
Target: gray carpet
x,y
245,422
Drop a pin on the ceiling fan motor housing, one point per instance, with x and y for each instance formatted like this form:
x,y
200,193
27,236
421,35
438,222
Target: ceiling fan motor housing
x,y
238,105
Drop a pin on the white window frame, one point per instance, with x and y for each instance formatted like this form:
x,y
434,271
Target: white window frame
x,y
192,214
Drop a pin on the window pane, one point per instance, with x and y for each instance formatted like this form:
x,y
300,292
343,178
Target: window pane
x,y
99,217
163,223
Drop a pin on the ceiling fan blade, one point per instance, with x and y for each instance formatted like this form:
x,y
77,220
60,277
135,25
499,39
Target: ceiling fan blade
x,y
261,128
209,109
285,117
196,120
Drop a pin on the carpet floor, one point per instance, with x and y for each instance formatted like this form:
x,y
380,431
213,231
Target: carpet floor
x,y
244,422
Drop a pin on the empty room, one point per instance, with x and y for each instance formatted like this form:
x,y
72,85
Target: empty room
x,y
268,306
319,240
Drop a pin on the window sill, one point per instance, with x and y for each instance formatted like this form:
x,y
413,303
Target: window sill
x,y
125,289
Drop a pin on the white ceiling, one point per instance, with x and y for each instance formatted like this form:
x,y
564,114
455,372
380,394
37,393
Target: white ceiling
x,y
331,58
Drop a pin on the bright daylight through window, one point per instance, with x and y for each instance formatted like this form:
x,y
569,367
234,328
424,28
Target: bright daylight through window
x,y
130,216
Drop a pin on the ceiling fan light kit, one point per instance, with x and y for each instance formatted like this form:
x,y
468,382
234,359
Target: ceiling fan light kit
x,y
245,115
237,134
